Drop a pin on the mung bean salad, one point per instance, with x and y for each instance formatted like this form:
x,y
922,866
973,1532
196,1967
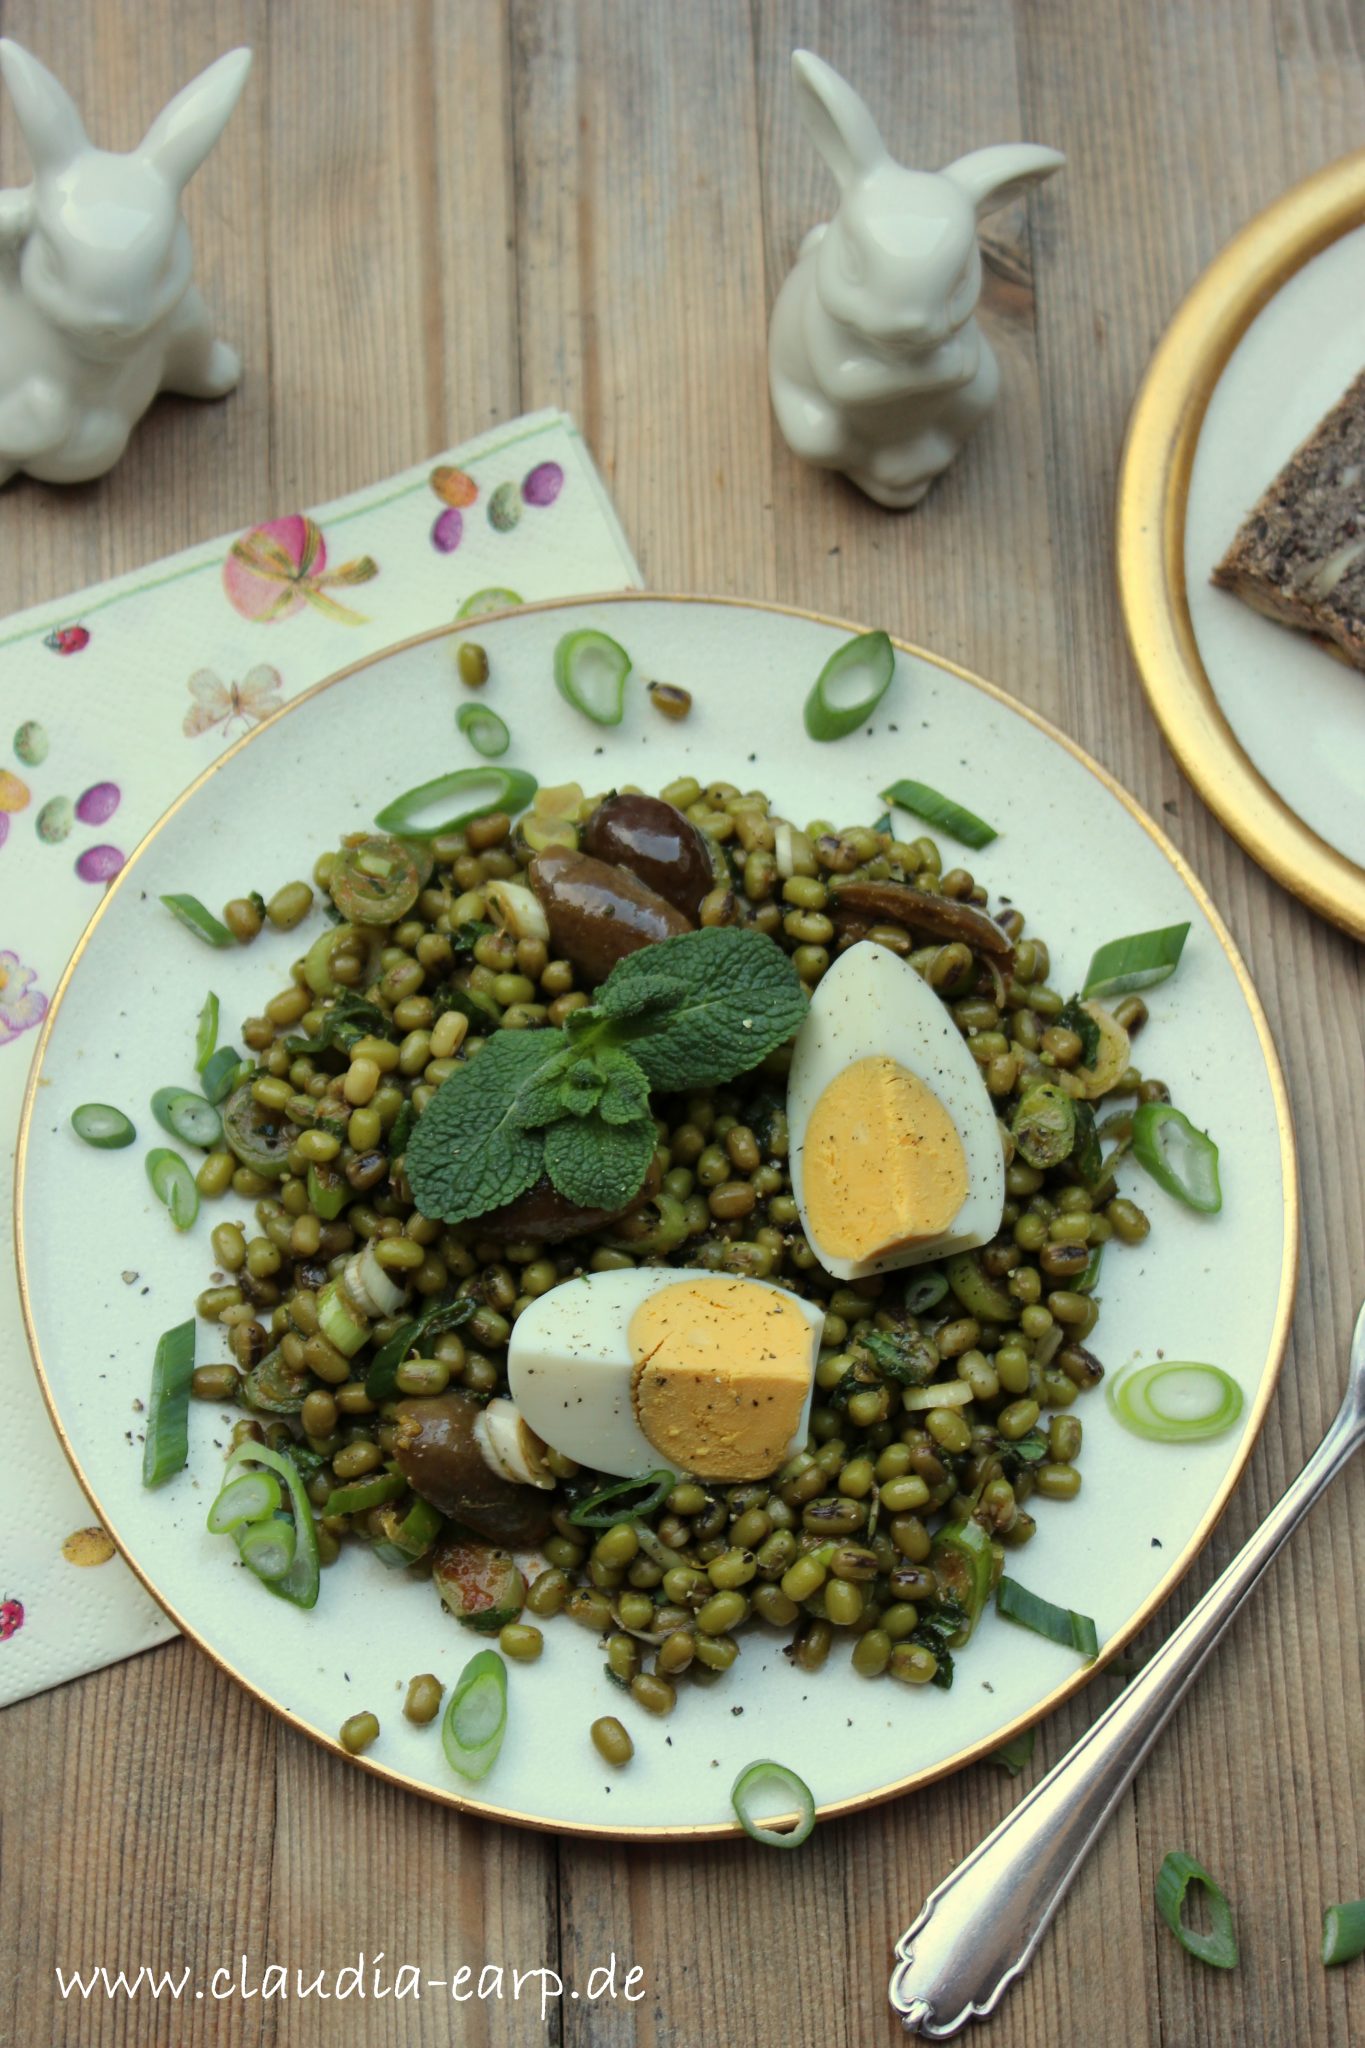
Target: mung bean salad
x,y
365,1339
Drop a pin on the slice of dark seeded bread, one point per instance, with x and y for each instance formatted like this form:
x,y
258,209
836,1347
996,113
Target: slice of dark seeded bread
x,y
1299,556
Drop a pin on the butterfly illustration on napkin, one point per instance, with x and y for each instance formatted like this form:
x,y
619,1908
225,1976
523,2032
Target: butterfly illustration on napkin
x,y
225,704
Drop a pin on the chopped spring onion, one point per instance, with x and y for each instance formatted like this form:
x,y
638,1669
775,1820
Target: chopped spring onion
x,y
188,1117
381,1381
224,1070
250,1497
268,1547
963,1562
166,1445
624,1502
492,599
363,1494
1139,961
755,1789
1173,1880
1176,1401
1059,1624
868,660
173,1183
882,824
328,1192
413,1537
299,1584
201,922
590,673
475,1719
487,789
936,809
1179,1158
261,1138
924,1290
484,730
1014,1754
1343,1932
337,1324
1086,1283
102,1126
942,1394
206,1032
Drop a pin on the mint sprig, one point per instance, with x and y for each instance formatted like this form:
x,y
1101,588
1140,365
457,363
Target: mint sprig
x,y
573,1104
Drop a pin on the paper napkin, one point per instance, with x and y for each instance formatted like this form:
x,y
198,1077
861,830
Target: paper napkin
x,y
111,702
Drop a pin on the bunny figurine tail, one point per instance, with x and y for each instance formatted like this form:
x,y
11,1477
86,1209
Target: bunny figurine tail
x,y
93,326
875,362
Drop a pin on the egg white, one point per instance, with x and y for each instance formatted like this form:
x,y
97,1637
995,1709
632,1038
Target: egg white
x,y
872,1003
570,1369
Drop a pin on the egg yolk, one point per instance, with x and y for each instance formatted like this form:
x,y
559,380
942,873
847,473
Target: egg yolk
x,y
722,1371
883,1165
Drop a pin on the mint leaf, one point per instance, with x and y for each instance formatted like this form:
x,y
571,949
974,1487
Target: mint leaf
x,y
468,1152
597,1164
625,1089
697,1009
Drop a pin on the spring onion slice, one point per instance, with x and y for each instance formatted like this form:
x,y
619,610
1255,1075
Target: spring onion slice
x,y
1180,1159
166,1445
492,599
364,1494
936,809
223,1071
338,1325
925,1290
1176,1401
250,1497
188,1117
268,1547
328,1192
1059,1624
963,1562
1087,1282
173,1184
102,1126
590,673
1343,1932
869,658
475,1719
484,730
757,1785
206,1032
299,1585
627,1501
1173,1880
413,1537
1139,961
1014,1754
489,789
196,919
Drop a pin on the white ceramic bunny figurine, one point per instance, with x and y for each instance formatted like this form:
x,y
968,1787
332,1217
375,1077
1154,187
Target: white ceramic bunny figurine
x,y
876,365
97,311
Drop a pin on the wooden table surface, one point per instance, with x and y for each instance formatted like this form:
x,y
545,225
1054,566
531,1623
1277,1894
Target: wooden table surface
x,y
429,216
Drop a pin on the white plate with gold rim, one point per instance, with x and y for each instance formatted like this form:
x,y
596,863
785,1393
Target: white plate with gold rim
x,y
1073,851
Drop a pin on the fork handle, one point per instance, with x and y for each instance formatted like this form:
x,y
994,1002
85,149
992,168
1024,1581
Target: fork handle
x,y
979,1929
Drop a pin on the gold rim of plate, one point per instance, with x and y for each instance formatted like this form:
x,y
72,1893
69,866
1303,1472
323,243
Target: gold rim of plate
x,y
1180,1564
1153,493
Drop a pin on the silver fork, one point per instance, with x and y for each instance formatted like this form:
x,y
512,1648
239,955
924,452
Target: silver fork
x,y
979,1929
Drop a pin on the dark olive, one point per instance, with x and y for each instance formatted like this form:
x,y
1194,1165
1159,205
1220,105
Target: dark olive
x,y
543,1216
657,843
598,913
864,904
438,1454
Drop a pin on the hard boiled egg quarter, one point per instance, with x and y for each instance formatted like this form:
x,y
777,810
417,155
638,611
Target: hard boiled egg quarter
x,y
649,1366
895,1149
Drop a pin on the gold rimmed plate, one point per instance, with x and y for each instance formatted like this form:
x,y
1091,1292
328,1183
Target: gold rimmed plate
x,y
1073,851
1267,725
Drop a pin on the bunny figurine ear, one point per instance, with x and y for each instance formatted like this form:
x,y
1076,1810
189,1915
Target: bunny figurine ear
x,y
992,177
47,113
836,119
186,129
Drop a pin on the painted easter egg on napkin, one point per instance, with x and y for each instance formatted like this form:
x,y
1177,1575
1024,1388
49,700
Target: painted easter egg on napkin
x,y
14,794
68,639
99,863
31,743
448,531
98,803
453,486
504,508
543,484
4,827
55,819
277,569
